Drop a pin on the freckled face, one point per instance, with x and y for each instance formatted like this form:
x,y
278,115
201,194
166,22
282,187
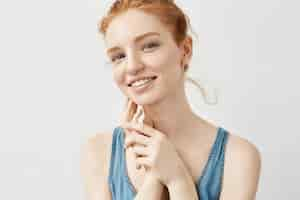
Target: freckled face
x,y
139,45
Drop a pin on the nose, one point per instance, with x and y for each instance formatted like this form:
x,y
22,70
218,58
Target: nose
x,y
134,64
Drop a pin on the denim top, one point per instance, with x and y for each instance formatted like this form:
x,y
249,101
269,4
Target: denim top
x,y
208,185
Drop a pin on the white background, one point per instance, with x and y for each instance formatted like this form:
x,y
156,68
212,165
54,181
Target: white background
x,y
56,91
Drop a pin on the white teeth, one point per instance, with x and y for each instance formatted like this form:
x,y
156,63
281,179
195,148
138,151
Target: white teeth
x,y
141,82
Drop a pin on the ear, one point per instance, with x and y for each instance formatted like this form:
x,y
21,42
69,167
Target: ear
x,y
187,50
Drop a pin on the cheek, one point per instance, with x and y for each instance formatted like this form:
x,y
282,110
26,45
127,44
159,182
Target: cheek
x,y
117,76
119,79
161,61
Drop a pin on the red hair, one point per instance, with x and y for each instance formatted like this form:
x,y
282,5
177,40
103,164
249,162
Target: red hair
x,y
165,10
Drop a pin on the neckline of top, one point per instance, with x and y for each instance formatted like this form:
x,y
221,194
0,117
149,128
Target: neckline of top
x,y
212,148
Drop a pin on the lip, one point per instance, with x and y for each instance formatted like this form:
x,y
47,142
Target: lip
x,y
136,79
144,87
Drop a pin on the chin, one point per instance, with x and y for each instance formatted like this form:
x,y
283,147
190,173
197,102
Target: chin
x,y
147,99
143,101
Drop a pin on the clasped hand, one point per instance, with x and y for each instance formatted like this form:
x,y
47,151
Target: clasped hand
x,y
154,151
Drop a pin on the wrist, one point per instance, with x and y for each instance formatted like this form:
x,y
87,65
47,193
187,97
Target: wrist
x,y
153,180
182,178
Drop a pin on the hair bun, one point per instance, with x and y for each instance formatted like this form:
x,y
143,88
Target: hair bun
x,y
166,1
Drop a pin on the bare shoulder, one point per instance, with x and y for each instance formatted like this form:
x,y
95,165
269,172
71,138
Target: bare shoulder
x,y
100,141
98,149
94,165
241,169
238,146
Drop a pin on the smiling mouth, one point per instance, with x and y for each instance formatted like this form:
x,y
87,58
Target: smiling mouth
x,y
145,83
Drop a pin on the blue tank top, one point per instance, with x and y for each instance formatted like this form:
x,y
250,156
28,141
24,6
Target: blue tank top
x,y
208,185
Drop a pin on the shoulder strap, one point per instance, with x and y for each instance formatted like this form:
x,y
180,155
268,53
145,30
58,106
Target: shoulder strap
x,y
210,186
218,150
115,154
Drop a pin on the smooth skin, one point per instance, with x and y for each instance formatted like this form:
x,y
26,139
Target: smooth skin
x,y
179,133
240,182
154,151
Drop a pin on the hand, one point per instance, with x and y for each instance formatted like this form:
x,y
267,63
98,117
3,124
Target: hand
x,y
131,110
155,152
151,177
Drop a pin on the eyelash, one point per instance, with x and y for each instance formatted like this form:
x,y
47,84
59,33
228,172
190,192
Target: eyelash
x,y
151,44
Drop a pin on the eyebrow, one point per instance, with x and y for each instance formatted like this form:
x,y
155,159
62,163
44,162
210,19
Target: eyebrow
x,y
138,38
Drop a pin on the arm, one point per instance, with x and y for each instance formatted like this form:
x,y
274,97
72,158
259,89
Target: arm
x,y
151,189
183,187
242,170
93,168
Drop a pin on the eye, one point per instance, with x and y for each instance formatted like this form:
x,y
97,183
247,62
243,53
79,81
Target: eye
x,y
151,45
117,57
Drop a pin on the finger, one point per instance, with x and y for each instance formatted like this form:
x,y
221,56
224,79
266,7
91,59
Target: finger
x,y
143,167
129,111
141,127
140,150
131,106
145,161
130,130
136,139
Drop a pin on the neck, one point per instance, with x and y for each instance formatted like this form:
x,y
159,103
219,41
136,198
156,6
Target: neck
x,y
172,116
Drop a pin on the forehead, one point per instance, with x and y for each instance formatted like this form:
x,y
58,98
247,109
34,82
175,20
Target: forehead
x,y
125,28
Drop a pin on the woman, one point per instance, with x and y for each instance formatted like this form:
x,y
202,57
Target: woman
x,y
175,154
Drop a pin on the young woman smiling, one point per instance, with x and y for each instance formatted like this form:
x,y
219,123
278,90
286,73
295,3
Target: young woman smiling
x,y
183,156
